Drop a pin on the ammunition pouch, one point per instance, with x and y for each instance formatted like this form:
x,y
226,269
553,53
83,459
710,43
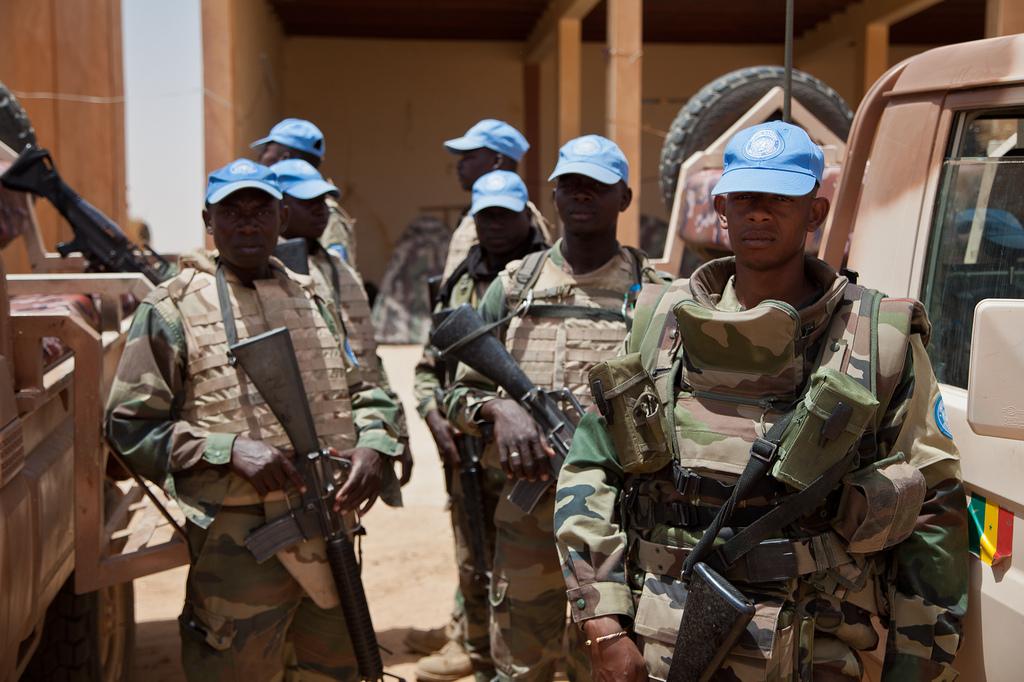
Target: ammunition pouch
x,y
880,505
835,412
625,393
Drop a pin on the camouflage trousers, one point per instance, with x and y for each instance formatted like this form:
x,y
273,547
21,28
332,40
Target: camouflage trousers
x,y
476,619
253,622
530,630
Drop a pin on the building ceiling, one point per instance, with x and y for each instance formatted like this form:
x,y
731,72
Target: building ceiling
x,y
673,21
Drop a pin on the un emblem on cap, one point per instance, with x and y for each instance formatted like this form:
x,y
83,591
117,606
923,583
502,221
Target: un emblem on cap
x,y
586,148
495,183
242,168
764,144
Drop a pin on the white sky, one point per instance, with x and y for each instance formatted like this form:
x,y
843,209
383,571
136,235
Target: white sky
x,y
163,87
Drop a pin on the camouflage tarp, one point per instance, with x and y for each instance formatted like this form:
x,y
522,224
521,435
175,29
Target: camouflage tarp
x,y
401,313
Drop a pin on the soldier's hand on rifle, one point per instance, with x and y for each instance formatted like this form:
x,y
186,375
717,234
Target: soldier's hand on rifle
x,y
444,436
522,447
615,659
363,481
264,466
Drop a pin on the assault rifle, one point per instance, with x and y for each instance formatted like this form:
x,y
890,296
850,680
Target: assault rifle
x,y
280,384
470,478
464,335
98,238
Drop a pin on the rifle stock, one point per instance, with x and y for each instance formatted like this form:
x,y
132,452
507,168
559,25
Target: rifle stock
x,y
294,253
280,385
97,237
461,334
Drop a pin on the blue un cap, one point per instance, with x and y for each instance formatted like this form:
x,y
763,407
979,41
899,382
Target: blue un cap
x,y
296,133
494,135
298,178
499,188
240,174
774,158
594,156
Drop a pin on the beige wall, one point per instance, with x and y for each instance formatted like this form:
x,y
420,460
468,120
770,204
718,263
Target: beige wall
x,y
839,65
385,108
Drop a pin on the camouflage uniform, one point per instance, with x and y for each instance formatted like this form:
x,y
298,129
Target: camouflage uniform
x,y
623,537
340,234
464,237
528,617
174,411
466,285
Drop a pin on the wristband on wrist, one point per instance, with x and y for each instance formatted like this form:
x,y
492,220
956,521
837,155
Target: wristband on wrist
x,y
605,638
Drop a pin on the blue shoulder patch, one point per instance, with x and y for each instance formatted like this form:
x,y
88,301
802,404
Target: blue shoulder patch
x,y
940,418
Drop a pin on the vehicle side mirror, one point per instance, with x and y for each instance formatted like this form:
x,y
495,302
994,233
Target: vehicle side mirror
x,y
995,392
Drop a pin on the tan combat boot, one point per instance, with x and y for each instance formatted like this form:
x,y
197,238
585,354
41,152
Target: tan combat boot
x,y
427,641
447,665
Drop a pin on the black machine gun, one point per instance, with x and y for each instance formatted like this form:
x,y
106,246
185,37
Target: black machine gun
x,y
463,334
280,384
98,238
294,254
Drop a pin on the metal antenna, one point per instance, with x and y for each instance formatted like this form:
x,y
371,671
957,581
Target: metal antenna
x,y
787,83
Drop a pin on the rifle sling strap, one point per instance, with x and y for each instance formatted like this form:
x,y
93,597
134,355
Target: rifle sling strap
x,y
227,314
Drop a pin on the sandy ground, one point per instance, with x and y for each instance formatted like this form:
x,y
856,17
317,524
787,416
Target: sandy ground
x,y
408,560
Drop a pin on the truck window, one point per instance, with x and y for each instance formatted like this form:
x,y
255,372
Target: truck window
x,y
976,247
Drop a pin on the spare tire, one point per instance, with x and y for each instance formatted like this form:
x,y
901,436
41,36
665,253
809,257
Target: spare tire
x,y
16,130
719,104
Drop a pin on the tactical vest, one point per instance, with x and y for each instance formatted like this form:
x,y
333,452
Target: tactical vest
x,y
569,322
220,398
712,408
338,282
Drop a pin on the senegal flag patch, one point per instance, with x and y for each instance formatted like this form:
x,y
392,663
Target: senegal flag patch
x,y
990,528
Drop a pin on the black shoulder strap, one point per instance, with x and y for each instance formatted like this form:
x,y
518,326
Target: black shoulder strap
x,y
227,314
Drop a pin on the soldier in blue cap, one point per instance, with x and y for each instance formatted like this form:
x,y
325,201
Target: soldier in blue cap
x,y
189,420
296,138
789,416
489,145
506,233
305,193
580,294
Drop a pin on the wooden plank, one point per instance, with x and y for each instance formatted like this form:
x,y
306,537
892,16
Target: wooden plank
x,y
570,36
543,37
852,22
623,108
531,106
876,52
1003,17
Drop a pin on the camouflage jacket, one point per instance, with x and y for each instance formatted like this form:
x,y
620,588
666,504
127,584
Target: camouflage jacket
x,y
340,234
144,409
467,284
919,586
553,352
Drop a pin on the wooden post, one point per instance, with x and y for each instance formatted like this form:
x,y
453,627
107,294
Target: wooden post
x,y
531,106
625,44
62,58
218,85
1003,17
570,36
876,52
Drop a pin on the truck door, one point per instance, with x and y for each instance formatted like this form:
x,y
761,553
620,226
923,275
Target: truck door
x,y
975,251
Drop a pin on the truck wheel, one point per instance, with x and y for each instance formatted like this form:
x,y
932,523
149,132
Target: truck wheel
x,y
86,637
721,102
16,130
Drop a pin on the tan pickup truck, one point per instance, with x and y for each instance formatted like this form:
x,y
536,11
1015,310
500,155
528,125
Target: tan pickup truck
x,y
75,529
930,204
